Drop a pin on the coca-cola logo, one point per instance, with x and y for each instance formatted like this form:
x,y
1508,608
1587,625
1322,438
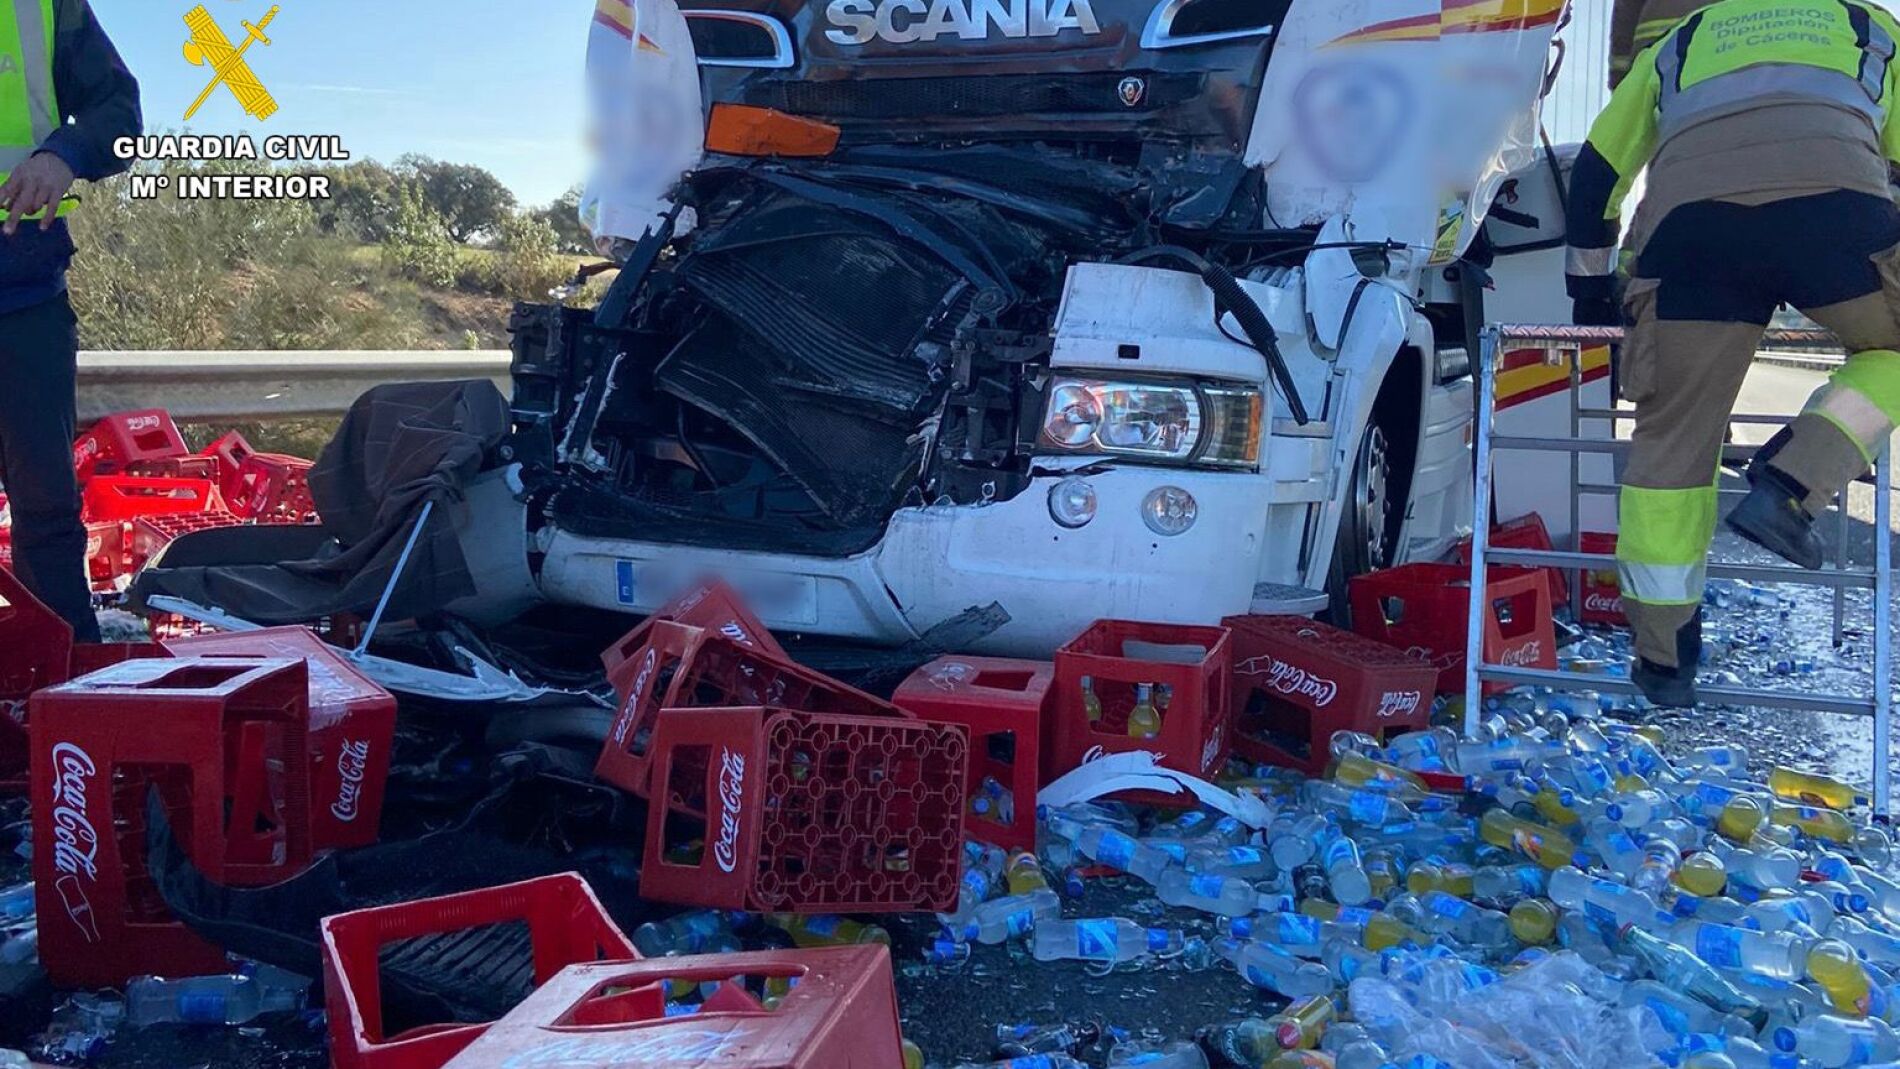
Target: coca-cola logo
x,y
141,423
1596,601
668,1046
1211,752
634,694
87,447
352,765
733,631
1520,656
951,675
1291,679
1097,752
731,797
1399,703
75,840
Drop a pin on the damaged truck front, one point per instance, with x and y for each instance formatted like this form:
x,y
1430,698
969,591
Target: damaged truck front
x,y
1086,308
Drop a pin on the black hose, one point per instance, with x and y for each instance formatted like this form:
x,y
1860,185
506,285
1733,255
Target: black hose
x,y
1230,296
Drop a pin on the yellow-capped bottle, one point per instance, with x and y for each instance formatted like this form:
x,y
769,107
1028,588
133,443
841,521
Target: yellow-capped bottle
x,y
1702,874
1025,874
913,1055
825,930
1091,704
1836,970
1450,877
1301,1024
1547,846
1812,821
1810,789
1556,806
1533,921
1144,720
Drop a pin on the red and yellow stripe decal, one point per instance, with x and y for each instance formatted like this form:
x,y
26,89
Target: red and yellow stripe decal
x,y
617,15
1526,376
1461,16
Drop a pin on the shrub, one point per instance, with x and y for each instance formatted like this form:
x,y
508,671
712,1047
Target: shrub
x,y
418,245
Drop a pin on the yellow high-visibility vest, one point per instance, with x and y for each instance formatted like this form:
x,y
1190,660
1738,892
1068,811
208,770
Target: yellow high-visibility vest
x,y
29,106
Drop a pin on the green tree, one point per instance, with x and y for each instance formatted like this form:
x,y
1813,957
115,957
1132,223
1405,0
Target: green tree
x,y
470,201
564,218
418,244
362,201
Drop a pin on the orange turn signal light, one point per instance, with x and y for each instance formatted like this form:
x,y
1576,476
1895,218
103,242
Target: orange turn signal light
x,y
744,130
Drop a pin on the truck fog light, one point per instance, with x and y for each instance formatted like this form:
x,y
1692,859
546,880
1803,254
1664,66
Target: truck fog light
x,y
1169,510
1072,503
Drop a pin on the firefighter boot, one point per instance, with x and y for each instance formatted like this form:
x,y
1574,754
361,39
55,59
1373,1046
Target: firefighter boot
x,y
1673,688
1772,515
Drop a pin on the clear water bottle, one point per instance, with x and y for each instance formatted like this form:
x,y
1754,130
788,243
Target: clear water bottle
x,y
212,1000
1106,941
1834,1042
1207,892
1464,921
1608,903
1360,806
1239,862
16,902
688,933
1269,968
1157,1056
1293,839
1345,872
1505,884
1011,917
1119,850
1779,957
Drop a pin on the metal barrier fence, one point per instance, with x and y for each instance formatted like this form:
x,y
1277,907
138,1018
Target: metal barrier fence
x,y
1570,341
240,385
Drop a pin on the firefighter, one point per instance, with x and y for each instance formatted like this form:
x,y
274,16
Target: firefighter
x,y
65,96
1637,24
1768,130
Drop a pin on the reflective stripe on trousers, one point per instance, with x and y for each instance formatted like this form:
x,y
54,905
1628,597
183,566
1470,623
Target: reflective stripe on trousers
x,y
1863,399
1662,548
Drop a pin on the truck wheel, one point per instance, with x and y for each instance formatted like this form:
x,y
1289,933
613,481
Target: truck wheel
x,y
1364,541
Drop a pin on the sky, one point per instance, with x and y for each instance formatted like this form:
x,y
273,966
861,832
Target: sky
x,y
491,82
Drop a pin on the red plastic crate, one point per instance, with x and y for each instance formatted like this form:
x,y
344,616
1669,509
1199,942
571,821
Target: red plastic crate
x,y
35,651
128,437
1423,608
1526,532
775,810
1003,703
274,489
1602,590
352,728
1191,662
107,560
230,452
673,666
565,925
841,1013
169,468
124,498
712,606
1297,681
216,741
151,534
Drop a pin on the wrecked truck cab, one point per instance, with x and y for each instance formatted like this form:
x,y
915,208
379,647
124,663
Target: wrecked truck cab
x,y
1035,328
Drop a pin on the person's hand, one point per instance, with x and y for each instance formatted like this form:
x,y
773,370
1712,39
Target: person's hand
x,y
35,186
1596,312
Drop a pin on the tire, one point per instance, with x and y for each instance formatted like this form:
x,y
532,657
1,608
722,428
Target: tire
x,y
1365,542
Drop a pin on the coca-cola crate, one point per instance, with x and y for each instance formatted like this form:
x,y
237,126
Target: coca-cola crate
x,y
274,489
521,932
128,437
229,451
35,651
218,744
840,1013
1526,532
107,560
1003,703
195,467
1297,681
711,606
151,534
1602,590
676,666
773,810
352,728
1423,609
124,498
1186,669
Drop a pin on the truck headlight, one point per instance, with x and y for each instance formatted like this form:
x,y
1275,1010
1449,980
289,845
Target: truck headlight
x,y
1171,423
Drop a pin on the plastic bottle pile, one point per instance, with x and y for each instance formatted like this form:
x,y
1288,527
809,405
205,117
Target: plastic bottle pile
x,y
1587,902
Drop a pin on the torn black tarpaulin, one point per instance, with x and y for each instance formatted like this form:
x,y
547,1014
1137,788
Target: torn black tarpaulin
x,y
400,446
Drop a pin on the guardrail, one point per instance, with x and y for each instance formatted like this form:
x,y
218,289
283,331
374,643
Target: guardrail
x,y
264,385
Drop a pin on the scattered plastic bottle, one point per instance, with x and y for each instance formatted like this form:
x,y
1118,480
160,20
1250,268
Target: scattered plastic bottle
x,y
824,930
1208,893
212,1000
1105,941
1012,917
1157,1056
